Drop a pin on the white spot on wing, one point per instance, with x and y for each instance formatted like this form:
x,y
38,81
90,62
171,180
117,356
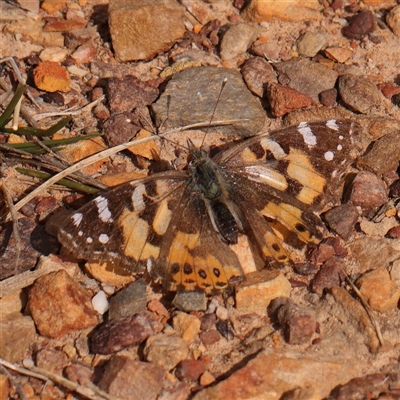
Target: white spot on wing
x,y
137,198
331,123
77,219
329,156
341,137
103,238
308,136
339,147
80,233
89,240
102,207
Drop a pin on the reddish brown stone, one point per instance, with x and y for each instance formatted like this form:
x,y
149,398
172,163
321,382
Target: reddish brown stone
x,y
322,253
208,321
342,219
329,275
389,89
62,25
76,38
157,307
60,305
121,333
360,25
368,191
128,93
45,204
133,380
328,97
394,233
210,337
190,370
284,99
306,268
298,323
338,247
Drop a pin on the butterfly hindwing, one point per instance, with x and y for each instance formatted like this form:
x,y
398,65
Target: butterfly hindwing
x,y
192,255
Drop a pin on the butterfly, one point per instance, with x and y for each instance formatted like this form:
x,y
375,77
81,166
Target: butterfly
x,y
180,225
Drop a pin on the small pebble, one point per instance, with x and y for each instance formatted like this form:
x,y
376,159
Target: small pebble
x,y
50,76
166,350
360,25
311,43
368,191
100,302
329,275
393,20
359,93
342,219
222,313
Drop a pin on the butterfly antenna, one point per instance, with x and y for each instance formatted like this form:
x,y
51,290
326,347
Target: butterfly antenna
x,y
215,107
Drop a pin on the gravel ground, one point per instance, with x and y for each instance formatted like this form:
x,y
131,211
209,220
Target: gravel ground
x,y
324,327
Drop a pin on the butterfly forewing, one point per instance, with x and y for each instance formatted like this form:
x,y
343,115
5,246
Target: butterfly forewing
x,y
126,224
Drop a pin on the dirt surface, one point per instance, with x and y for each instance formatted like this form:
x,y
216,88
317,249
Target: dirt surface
x,y
327,326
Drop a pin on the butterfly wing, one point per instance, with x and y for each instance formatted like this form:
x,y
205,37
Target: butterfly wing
x,y
159,223
192,255
126,224
286,176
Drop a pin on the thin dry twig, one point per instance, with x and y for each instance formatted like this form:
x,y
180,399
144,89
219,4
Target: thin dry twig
x,y
14,218
367,309
71,111
100,156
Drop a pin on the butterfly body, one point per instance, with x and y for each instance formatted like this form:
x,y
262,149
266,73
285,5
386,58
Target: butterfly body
x,y
180,224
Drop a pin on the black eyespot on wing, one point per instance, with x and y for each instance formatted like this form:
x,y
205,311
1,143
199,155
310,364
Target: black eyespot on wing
x,y
202,274
301,228
187,269
276,247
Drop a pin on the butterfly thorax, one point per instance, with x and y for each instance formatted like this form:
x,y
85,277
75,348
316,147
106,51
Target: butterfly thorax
x,y
209,182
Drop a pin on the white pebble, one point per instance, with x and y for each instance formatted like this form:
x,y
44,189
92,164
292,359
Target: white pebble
x,y
28,363
222,313
100,302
